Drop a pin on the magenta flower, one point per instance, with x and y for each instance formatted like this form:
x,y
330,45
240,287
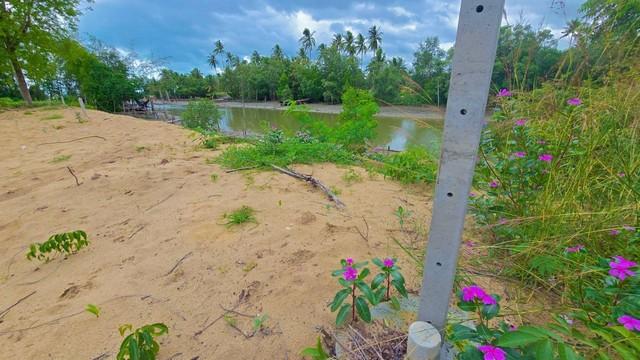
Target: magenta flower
x,y
349,261
519,154
620,268
621,174
470,293
521,122
629,228
574,101
614,232
388,262
492,352
494,184
545,157
350,273
629,322
575,249
513,328
503,93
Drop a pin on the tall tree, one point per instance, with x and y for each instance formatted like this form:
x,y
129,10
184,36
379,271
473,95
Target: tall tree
x,y
213,57
349,43
307,41
361,46
375,38
337,42
277,52
29,30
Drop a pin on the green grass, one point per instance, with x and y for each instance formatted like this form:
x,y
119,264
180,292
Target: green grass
x,y
414,165
214,178
141,148
351,177
53,117
60,158
240,216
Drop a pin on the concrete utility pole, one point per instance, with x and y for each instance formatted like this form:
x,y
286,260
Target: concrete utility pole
x,y
473,59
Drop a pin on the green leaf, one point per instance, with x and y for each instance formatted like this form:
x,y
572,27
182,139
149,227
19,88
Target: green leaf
x,y
397,276
518,338
123,328
395,304
543,350
490,311
363,309
94,310
363,274
378,280
566,352
378,262
134,351
366,290
342,314
339,299
461,332
400,287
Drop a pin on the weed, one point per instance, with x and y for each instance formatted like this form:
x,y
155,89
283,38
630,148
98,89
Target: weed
x,y
58,127
258,322
141,343
351,177
335,190
141,148
53,117
317,352
402,215
249,266
93,309
415,165
68,243
240,216
214,178
230,319
60,158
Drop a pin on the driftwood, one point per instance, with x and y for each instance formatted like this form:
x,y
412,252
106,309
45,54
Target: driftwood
x,y
313,181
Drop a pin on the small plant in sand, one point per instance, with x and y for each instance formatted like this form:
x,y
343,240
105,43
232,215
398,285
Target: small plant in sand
x,y
214,178
93,309
60,158
389,276
141,343
403,215
67,243
316,352
240,216
351,177
351,277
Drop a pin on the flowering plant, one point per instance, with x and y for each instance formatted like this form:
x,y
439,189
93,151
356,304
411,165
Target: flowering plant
x,y
389,276
351,277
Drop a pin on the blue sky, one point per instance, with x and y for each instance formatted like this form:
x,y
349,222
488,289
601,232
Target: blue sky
x,y
181,33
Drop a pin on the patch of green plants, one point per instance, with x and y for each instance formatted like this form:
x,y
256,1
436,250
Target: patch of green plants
x,y
414,165
141,343
60,158
141,148
351,176
214,178
63,243
243,215
202,116
316,352
53,117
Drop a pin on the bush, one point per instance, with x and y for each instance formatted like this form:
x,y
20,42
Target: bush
x,y
415,165
201,115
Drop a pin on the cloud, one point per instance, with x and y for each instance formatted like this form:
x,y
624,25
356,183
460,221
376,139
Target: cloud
x,y
400,11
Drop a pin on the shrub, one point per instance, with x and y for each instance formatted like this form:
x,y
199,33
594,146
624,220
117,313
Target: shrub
x,y
67,243
415,165
201,115
351,277
141,343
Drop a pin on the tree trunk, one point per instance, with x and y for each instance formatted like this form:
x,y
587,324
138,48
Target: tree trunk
x,y
19,75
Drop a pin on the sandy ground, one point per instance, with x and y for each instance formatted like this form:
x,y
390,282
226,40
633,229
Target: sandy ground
x,y
426,112
147,201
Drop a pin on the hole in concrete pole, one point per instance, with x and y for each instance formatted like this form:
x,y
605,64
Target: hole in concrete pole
x,y
439,264
449,194
479,8
463,111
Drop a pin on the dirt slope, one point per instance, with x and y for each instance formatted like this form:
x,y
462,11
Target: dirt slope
x,y
146,200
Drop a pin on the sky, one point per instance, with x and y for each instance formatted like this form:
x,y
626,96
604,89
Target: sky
x,y
180,34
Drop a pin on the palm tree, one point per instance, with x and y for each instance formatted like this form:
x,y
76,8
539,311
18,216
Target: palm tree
x,y
348,43
361,46
213,57
219,48
375,38
277,52
302,54
337,42
213,62
573,30
307,41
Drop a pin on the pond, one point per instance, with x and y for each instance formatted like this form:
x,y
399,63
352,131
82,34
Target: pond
x,y
396,133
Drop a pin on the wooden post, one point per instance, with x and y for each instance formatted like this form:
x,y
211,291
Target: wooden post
x,y
473,59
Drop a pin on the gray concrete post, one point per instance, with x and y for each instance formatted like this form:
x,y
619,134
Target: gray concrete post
x,y
473,58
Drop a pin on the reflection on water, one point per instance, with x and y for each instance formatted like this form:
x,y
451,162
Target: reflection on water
x,y
392,132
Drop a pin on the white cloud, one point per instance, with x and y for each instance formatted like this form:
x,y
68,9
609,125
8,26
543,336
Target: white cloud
x,y
400,11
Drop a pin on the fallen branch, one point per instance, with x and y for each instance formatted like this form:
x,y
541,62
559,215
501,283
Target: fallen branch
x,y
241,169
135,232
313,181
364,236
5,311
199,332
78,139
179,262
74,175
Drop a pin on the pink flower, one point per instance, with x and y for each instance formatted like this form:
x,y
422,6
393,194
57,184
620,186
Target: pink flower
x,y
545,157
629,322
350,273
574,101
541,142
472,194
503,93
388,262
621,174
470,293
575,249
521,122
614,232
620,268
349,261
513,328
492,352
502,221
629,228
494,184
519,154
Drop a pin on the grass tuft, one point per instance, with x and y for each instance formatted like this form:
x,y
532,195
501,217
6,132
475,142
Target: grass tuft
x,y
243,215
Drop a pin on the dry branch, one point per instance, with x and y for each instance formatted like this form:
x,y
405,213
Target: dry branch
x,y
179,262
74,175
78,139
5,311
242,168
313,181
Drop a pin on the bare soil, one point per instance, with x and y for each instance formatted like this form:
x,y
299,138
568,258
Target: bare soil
x,y
160,251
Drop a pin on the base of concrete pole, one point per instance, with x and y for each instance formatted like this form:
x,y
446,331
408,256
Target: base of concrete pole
x,y
424,342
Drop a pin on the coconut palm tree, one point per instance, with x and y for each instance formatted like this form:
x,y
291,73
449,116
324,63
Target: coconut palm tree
x,y
572,31
277,52
337,42
213,57
213,62
219,48
375,38
348,43
361,46
307,41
